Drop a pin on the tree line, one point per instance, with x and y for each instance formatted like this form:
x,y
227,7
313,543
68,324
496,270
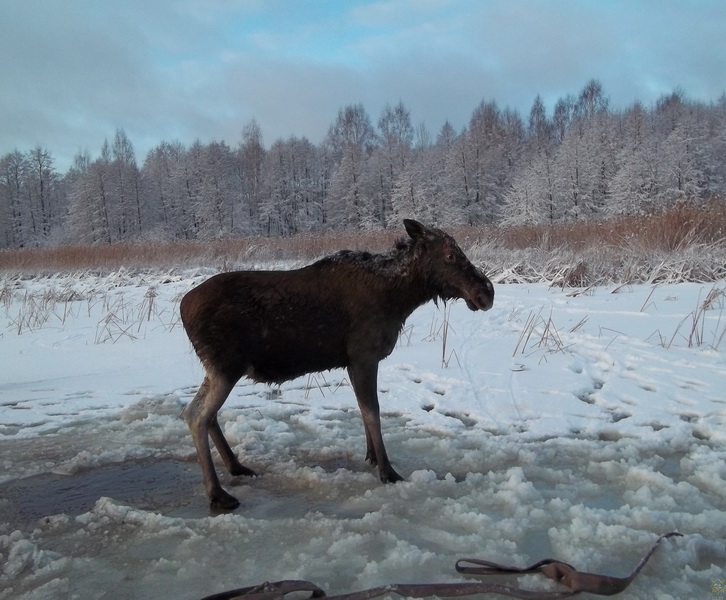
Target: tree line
x,y
581,161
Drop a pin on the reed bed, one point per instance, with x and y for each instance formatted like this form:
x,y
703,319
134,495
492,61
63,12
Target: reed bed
x,y
687,242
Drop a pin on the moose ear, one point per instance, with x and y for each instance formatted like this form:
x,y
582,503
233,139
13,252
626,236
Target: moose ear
x,y
414,228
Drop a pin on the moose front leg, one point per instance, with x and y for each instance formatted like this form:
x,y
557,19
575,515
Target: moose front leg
x,y
364,378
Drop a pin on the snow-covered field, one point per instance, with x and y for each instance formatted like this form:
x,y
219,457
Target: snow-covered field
x,y
573,426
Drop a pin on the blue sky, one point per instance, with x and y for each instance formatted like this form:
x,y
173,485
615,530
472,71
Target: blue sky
x,y
72,71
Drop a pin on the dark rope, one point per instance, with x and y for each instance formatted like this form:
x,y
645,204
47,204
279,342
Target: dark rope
x,y
576,582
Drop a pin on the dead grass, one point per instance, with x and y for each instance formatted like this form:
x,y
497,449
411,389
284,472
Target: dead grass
x,y
217,254
696,329
687,242
676,228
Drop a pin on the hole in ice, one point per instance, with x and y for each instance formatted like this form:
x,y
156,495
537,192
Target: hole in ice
x,y
609,435
671,465
607,500
658,426
537,543
155,485
701,435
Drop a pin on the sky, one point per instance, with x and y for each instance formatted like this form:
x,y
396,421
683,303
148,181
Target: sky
x,y
74,71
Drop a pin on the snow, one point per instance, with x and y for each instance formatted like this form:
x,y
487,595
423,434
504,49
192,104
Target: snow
x,y
578,426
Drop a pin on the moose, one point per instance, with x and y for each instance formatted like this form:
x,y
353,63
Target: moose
x,y
343,311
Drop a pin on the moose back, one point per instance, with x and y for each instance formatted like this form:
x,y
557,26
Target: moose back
x,y
344,311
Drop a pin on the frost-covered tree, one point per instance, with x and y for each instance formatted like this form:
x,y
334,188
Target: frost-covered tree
x,y
633,186
513,146
124,188
682,164
484,162
664,157
42,180
716,149
392,157
592,101
352,139
419,191
90,214
79,220
293,194
191,173
531,199
584,162
562,117
217,191
163,192
423,190
309,184
485,156
251,159
14,212
540,129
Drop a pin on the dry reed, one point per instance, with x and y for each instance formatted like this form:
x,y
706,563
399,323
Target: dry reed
x,y
685,242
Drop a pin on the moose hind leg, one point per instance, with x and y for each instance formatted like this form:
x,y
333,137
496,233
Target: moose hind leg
x,y
234,466
200,415
370,451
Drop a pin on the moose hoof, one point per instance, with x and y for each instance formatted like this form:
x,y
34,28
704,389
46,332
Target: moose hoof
x,y
241,470
390,476
223,501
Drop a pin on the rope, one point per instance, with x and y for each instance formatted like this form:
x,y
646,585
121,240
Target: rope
x,y
563,573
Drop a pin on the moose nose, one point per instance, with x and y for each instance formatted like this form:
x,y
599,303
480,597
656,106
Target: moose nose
x,y
484,300
480,300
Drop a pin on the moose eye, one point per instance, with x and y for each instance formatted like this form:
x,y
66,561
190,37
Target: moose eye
x,y
451,257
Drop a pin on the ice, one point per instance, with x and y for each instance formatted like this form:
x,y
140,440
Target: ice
x,y
575,426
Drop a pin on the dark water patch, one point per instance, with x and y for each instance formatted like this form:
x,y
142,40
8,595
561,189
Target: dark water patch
x,y
671,465
155,485
538,544
607,500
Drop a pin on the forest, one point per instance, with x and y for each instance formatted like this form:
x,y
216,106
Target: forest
x,y
581,161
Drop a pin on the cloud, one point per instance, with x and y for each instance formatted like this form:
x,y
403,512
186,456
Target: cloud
x,y
74,71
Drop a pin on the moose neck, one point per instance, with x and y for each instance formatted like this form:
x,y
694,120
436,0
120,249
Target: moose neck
x,y
409,285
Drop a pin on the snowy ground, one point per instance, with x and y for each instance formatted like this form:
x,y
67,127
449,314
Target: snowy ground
x,y
578,427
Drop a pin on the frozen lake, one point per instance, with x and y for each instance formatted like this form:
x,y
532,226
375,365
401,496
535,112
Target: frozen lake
x,y
574,426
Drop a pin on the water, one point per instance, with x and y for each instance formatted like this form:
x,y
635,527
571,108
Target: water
x,y
164,486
